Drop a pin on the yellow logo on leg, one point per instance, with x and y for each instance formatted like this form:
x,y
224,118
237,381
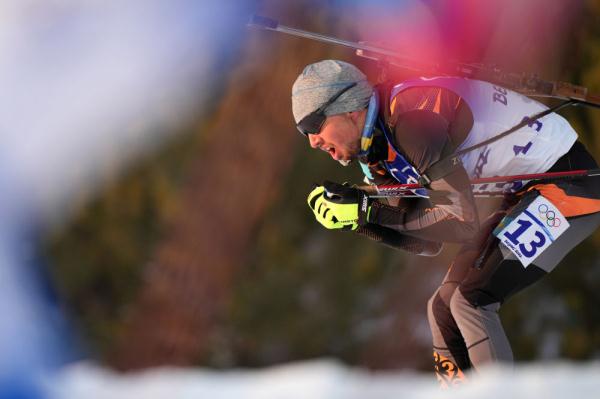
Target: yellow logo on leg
x,y
447,372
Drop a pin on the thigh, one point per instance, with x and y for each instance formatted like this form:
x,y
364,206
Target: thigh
x,y
580,227
581,224
498,279
501,275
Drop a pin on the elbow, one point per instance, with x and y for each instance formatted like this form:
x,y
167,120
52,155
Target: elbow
x,y
431,249
460,231
469,231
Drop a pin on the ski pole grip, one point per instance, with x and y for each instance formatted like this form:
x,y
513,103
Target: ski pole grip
x,y
368,188
262,22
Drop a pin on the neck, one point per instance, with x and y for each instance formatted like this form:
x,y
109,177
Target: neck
x,y
360,120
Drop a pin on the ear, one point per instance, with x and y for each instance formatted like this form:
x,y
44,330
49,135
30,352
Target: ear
x,y
353,115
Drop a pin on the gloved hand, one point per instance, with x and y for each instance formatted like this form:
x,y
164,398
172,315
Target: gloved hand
x,y
338,206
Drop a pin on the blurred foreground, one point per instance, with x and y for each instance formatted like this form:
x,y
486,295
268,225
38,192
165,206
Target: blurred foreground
x,y
153,202
325,379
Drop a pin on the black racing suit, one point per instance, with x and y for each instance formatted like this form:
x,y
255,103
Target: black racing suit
x,y
428,124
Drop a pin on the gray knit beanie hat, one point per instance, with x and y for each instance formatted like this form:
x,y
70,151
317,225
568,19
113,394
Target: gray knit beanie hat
x,y
321,81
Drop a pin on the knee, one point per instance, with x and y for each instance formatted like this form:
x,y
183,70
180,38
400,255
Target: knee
x,y
430,314
437,311
464,301
459,303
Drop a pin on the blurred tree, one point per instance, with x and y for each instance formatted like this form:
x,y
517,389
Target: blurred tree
x,y
246,152
99,256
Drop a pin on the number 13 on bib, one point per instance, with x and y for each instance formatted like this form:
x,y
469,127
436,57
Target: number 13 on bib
x,y
532,231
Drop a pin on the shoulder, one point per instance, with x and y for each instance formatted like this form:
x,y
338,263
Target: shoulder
x,y
426,107
435,99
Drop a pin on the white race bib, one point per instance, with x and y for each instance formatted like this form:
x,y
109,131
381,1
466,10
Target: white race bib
x,y
533,230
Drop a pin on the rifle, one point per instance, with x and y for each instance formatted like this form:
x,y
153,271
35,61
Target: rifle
x,y
525,83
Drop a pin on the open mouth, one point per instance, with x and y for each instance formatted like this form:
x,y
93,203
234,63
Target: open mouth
x,y
329,150
332,151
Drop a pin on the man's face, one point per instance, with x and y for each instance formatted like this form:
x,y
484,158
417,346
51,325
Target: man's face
x,y
340,136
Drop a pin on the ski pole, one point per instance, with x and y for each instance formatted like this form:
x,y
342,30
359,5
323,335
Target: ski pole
x,y
480,185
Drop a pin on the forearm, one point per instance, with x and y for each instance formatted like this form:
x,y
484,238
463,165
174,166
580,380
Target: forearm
x,y
450,217
396,240
434,223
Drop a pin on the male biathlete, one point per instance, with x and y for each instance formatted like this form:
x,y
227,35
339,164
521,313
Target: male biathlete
x,y
404,133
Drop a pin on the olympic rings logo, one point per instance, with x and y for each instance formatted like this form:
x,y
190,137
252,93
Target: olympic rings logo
x,y
548,215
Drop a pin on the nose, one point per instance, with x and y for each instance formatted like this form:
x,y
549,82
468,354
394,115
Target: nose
x,y
314,140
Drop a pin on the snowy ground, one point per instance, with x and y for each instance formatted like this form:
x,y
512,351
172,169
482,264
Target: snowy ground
x,y
324,379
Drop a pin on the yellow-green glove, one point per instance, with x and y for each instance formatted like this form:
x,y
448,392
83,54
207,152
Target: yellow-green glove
x,y
338,206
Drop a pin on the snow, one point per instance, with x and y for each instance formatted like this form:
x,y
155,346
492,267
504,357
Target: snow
x,y
324,379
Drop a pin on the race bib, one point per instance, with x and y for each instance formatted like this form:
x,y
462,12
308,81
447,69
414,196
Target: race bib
x,y
532,231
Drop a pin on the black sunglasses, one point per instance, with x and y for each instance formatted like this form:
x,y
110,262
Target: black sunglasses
x,y
313,122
